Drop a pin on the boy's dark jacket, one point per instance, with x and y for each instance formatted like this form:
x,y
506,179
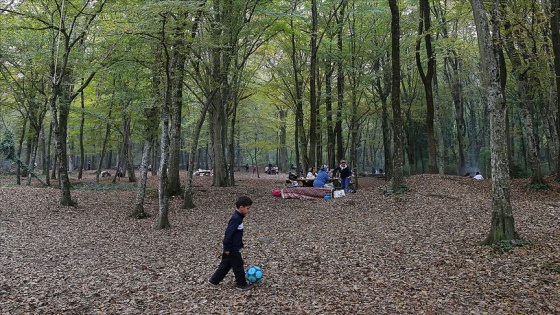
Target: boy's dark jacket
x,y
233,238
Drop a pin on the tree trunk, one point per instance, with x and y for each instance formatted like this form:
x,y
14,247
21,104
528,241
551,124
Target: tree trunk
x,y
340,78
81,140
454,80
150,136
163,196
398,184
427,80
283,156
502,226
59,117
329,115
218,134
188,202
139,212
313,106
300,138
178,71
20,148
555,31
520,68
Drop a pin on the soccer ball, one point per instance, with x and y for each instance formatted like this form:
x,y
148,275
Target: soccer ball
x,y
254,274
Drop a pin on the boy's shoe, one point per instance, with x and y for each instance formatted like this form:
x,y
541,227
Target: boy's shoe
x,y
242,287
212,283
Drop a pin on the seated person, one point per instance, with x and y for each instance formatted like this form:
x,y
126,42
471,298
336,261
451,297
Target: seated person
x,y
321,179
311,173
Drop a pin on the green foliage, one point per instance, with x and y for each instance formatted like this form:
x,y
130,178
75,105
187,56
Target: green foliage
x,y
7,146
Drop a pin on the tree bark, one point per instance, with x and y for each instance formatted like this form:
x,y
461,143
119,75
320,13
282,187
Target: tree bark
x,y
502,224
555,31
178,74
398,183
188,202
150,136
427,80
521,67
163,197
313,106
81,140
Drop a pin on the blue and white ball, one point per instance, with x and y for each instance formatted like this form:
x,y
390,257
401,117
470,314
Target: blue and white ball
x,y
254,274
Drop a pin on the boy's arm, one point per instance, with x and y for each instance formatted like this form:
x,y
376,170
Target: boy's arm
x,y
232,226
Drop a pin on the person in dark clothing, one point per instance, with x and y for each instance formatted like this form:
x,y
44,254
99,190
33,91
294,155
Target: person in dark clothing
x,y
233,242
345,175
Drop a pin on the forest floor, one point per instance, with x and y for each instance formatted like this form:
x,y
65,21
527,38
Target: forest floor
x,y
366,253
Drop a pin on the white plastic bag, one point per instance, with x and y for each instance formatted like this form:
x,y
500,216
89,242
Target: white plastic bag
x,y
338,193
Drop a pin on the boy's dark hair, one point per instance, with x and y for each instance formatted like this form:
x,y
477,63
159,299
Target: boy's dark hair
x,y
243,201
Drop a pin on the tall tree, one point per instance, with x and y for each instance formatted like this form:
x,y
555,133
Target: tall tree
x,y
162,221
502,226
555,34
424,30
397,179
523,67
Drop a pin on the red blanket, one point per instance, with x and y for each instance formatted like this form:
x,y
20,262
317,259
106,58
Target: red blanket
x,y
305,192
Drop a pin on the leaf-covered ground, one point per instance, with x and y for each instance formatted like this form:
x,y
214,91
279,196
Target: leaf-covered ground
x,y
366,253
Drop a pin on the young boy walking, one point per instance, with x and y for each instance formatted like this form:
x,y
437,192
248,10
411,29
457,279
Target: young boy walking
x,y
233,242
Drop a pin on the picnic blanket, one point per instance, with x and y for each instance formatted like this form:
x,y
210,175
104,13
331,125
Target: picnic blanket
x,y
305,192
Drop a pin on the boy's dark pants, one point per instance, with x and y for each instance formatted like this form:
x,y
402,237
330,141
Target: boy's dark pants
x,y
232,261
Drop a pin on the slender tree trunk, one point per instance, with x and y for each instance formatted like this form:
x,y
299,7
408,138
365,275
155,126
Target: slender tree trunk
x,y
178,71
59,117
300,138
515,51
427,80
313,106
502,226
398,183
20,148
188,202
329,114
340,81
163,215
139,212
282,116
163,196
555,31
49,159
107,132
81,140
150,136
453,77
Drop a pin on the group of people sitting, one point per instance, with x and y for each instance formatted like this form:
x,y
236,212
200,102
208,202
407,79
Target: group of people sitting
x,y
323,177
271,170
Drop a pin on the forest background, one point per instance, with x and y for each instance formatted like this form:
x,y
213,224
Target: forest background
x,y
163,85
166,87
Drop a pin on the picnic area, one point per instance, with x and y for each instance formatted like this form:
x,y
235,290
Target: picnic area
x,y
366,253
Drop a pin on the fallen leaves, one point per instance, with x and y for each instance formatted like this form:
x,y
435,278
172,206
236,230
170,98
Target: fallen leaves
x,y
366,253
